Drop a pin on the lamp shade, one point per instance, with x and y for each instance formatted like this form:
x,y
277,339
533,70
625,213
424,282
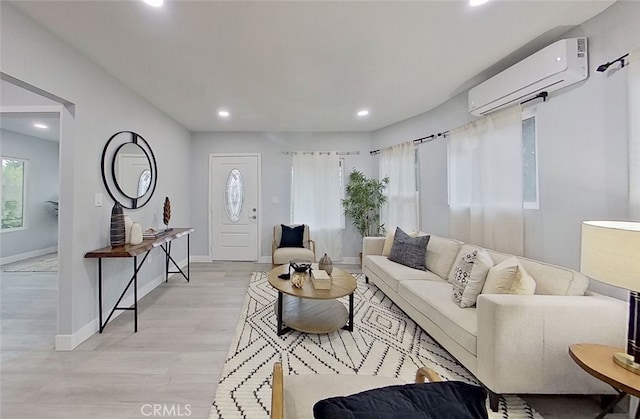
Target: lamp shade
x,y
611,253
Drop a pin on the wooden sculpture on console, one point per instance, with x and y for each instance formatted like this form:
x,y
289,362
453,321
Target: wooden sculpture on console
x,y
166,213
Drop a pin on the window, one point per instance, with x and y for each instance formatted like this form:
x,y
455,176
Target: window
x,y
400,164
529,160
13,194
316,190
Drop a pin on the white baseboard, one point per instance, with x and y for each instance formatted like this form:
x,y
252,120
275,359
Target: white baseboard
x,y
349,261
344,261
27,255
70,342
267,259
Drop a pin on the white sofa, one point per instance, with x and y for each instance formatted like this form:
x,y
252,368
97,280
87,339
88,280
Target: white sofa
x,y
513,344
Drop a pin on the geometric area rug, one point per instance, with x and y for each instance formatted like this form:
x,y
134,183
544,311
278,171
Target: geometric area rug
x,y
384,341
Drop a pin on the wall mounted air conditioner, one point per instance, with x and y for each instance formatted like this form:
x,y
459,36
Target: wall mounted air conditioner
x,y
556,66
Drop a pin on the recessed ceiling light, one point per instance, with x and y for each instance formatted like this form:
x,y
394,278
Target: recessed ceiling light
x,y
474,3
154,3
363,112
223,114
39,125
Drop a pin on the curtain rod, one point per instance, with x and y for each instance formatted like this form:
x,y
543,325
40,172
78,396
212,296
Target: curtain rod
x,y
603,67
339,153
426,139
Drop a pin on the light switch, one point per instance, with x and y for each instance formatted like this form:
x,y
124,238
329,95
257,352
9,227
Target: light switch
x,y
275,200
97,200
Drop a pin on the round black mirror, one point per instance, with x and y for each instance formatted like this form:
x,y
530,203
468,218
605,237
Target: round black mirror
x,y
129,169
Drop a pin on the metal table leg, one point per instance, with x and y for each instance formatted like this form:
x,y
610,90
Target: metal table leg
x,y
100,293
349,326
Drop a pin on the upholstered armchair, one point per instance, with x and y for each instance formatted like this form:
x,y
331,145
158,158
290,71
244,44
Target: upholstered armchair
x,y
291,242
294,396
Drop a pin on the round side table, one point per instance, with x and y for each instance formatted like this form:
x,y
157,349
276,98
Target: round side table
x,y
597,360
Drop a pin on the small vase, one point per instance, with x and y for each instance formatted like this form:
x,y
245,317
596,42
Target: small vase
x,y
117,226
136,234
325,264
128,222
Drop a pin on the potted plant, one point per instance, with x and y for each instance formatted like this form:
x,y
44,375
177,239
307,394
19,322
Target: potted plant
x,y
362,204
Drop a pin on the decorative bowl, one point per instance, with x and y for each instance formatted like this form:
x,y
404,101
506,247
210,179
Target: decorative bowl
x,y
300,265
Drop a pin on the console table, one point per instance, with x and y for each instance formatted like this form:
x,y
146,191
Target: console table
x,y
133,251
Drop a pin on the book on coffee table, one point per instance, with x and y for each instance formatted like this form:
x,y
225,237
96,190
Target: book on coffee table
x,y
320,279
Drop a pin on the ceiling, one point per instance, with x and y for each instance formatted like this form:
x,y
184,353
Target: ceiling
x,y
305,65
22,123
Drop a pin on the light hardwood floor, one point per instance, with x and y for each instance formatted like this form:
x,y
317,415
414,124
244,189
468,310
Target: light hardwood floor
x,y
174,360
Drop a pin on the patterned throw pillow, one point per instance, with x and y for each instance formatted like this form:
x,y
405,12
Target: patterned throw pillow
x,y
409,251
469,276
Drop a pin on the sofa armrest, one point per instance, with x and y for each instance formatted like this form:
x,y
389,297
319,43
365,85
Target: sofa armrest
x,y
372,246
523,341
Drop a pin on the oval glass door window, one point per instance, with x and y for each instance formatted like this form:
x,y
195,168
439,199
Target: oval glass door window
x,y
234,195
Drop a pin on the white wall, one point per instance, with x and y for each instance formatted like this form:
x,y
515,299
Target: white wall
x,y
103,106
276,176
582,147
41,230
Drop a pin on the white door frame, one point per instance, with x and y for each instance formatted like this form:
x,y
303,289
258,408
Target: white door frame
x,y
259,186
65,306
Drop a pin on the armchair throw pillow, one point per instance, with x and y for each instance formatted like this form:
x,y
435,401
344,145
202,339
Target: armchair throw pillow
x,y
292,236
409,251
469,276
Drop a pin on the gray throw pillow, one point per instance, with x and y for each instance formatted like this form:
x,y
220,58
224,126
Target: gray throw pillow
x,y
409,251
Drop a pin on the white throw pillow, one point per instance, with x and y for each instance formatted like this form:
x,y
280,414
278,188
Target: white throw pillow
x,y
509,277
388,243
469,275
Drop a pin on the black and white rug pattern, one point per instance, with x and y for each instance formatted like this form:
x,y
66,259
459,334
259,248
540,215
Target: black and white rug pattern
x,y
384,342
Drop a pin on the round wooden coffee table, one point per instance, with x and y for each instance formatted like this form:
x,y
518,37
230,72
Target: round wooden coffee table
x,y
310,310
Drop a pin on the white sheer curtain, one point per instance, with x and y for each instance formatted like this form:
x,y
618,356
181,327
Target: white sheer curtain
x,y
485,182
634,134
315,200
398,163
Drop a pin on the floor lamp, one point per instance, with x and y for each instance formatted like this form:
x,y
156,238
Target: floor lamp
x,y
611,254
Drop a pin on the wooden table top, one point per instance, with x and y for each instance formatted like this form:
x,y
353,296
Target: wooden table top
x,y
342,284
597,360
130,250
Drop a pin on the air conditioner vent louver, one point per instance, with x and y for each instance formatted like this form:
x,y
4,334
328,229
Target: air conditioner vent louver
x,y
558,65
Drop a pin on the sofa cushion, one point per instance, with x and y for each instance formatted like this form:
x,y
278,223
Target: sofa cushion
x,y
391,273
441,255
409,251
468,275
433,299
509,277
447,399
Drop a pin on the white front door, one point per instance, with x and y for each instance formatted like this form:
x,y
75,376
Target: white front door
x,y
234,186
